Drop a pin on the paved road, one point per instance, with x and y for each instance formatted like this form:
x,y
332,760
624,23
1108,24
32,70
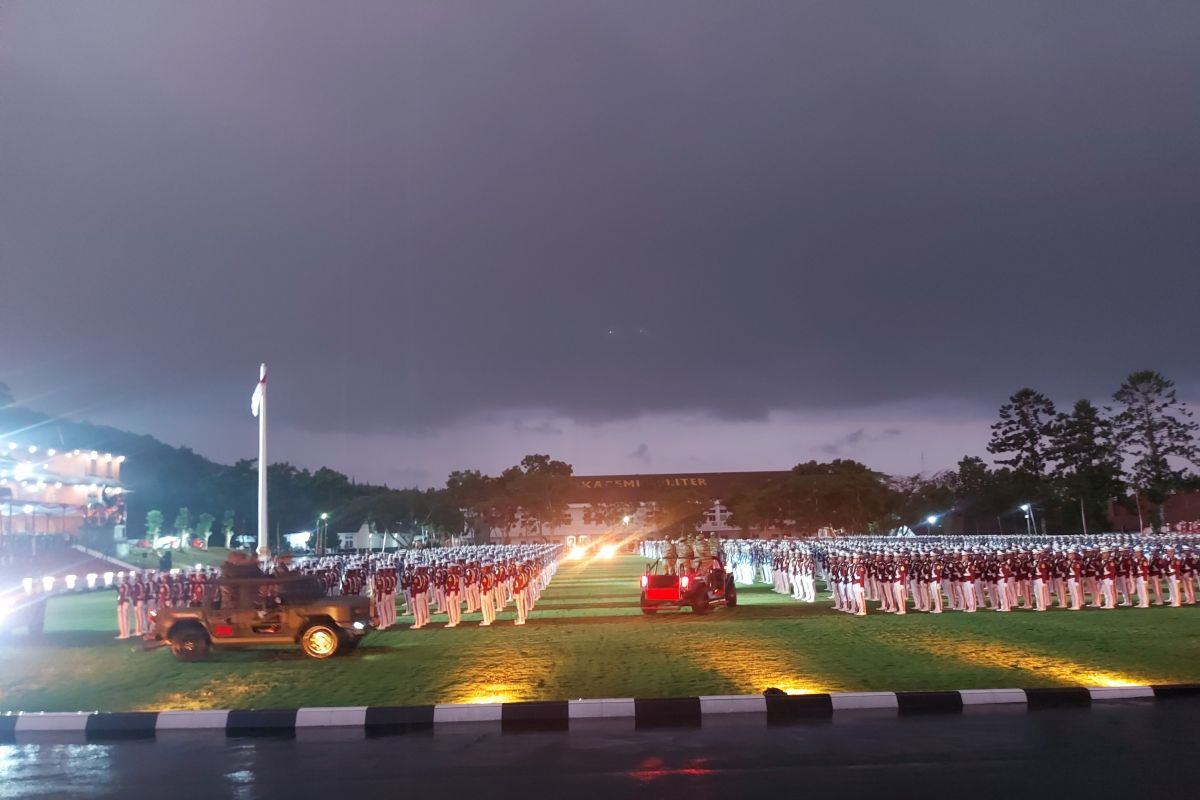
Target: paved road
x,y
1123,749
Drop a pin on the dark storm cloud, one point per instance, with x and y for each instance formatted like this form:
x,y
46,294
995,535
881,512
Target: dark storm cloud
x,y
418,212
855,438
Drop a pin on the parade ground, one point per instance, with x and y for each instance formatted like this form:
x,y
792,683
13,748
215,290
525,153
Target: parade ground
x,y
588,638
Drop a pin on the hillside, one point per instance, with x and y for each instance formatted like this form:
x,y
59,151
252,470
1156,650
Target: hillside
x,y
160,476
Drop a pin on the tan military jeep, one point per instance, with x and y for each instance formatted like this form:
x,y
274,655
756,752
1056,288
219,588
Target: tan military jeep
x,y
265,611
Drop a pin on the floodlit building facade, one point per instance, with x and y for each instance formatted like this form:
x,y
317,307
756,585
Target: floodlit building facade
x,y
621,506
52,491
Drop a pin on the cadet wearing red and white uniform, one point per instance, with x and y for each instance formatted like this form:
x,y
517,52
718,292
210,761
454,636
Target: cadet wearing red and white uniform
x,y
487,597
1075,580
1187,575
1041,581
420,587
453,606
123,599
137,592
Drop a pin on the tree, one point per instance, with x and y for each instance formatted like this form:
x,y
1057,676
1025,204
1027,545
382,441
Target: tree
x,y
1023,433
227,524
1089,466
204,525
610,515
678,511
154,523
541,487
182,521
1152,427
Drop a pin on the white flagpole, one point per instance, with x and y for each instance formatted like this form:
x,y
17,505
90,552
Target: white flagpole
x,y
264,549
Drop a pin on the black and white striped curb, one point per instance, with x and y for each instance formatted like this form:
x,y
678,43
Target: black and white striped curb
x,y
563,715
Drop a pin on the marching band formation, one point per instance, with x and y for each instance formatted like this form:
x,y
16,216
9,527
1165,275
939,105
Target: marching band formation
x,y
442,581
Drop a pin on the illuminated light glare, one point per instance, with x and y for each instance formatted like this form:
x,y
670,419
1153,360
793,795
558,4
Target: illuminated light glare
x,y
47,583
28,509
27,585
70,581
931,519
120,459
991,654
108,579
58,484
626,519
608,551
94,455
91,580
577,553
108,456
32,449
23,470
12,445
51,452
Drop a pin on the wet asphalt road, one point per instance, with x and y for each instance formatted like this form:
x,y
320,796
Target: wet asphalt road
x,y
1120,749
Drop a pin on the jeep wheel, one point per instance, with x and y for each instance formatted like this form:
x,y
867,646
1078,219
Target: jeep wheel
x,y
645,608
190,644
700,604
320,641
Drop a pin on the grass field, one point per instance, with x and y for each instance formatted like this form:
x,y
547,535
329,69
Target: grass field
x,y
587,638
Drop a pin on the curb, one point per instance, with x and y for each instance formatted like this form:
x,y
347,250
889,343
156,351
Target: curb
x,y
563,715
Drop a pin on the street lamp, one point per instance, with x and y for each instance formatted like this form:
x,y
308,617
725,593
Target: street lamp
x,y
1029,518
931,520
322,526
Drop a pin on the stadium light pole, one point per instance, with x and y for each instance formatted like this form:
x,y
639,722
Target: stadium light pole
x,y
1029,518
931,520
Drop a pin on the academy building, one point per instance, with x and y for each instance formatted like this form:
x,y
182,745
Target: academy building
x,y
594,497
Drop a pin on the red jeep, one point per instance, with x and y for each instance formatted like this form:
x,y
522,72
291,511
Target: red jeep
x,y
698,590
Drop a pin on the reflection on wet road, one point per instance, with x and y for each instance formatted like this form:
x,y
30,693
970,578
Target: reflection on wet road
x,y
1130,748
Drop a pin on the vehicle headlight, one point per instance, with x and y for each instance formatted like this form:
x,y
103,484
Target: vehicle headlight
x,y
358,626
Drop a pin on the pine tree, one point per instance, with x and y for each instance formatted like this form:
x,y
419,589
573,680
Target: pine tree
x,y
1153,427
1023,433
1089,466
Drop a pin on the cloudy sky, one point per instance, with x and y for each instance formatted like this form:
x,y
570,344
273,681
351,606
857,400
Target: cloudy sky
x,y
642,236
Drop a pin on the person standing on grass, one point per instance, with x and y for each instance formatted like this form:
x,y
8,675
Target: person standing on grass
x,y
519,584
453,606
487,596
123,598
1187,575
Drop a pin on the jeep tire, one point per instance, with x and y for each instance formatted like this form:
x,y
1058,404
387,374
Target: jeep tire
x,y
320,640
189,643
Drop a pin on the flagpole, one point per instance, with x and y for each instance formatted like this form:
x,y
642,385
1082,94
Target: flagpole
x,y
264,550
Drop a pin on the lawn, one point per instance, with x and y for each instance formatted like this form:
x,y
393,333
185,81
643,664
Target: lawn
x,y
587,638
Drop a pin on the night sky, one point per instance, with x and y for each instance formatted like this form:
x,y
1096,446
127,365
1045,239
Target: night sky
x,y
641,236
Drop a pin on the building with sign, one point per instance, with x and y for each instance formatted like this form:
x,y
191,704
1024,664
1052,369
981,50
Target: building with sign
x,y
620,506
51,491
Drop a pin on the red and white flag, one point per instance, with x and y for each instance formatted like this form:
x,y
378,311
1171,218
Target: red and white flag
x,y
261,387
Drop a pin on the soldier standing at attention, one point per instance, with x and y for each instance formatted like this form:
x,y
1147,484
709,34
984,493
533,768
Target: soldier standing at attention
x,y
123,608
137,593
453,607
520,581
487,598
